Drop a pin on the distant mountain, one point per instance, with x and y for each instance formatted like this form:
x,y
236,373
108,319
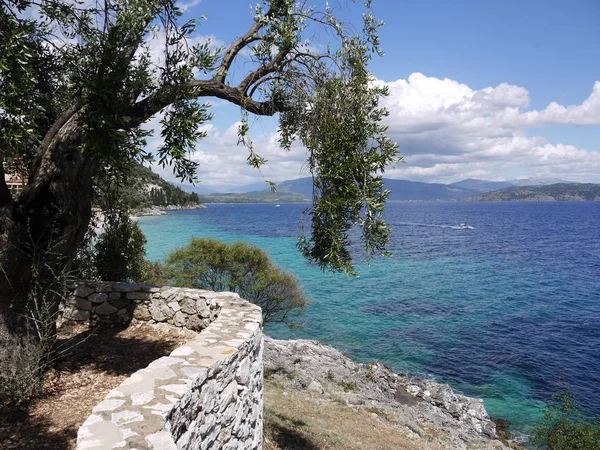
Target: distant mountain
x,y
198,188
302,186
300,190
402,190
259,186
552,192
481,185
537,181
265,196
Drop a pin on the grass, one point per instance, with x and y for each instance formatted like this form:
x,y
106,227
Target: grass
x,y
292,422
349,386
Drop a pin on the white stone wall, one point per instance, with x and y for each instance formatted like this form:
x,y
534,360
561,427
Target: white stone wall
x,y
206,395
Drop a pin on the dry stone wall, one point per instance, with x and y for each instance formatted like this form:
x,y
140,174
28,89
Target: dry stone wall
x,y
118,303
206,395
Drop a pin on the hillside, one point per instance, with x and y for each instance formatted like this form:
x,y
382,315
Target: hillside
x,y
265,196
483,185
143,188
300,190
553,192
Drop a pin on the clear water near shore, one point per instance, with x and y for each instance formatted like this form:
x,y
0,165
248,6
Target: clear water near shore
x,y
501,311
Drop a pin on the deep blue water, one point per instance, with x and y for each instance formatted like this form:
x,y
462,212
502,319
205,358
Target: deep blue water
x,y
501,312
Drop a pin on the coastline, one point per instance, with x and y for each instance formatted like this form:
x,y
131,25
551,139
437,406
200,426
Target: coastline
x,y
424,411
162,211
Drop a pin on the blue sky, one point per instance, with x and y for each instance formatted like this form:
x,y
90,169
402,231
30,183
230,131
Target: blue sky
x,y
500,64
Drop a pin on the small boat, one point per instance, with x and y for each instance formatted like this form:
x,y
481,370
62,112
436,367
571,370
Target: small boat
x,y
464,226
277,206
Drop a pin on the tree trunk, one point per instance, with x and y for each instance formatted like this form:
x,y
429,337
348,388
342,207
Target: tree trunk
x,y
42,229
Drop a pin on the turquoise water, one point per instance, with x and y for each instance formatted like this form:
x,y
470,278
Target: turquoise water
x,y
500,312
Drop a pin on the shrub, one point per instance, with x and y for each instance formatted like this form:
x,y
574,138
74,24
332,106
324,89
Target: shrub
x,y
119,251
241,268
153,273
24,361
349,386
565,427
25,357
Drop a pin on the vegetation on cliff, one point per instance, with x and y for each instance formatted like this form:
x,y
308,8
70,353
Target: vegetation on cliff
x,y
565,426
142,188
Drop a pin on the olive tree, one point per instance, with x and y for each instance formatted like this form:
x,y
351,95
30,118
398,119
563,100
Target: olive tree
x,y
78,80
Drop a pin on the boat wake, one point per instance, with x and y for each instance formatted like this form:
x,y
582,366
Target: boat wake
x,y
462,226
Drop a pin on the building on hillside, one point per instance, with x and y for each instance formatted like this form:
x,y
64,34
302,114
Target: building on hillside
x,y
14,177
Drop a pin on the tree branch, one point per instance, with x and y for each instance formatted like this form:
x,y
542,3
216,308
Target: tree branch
x,y
275,65
146,108
235,48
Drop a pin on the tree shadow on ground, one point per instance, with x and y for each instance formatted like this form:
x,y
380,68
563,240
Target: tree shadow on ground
x,y
19,430
286,432
103,350
290,439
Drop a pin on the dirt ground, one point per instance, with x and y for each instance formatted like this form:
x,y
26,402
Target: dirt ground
x,y
90,364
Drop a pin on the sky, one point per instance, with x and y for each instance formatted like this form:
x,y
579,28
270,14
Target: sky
x,y
487,89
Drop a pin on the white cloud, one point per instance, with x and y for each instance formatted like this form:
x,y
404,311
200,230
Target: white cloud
x,y
184,6
446,131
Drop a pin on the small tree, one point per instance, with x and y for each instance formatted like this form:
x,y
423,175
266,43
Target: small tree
x,y
241,268
565,427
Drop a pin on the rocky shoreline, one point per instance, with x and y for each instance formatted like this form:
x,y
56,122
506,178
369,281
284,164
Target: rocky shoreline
x,y
421,409
161,211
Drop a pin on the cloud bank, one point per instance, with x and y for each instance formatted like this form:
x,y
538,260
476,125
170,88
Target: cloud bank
x,y
446,130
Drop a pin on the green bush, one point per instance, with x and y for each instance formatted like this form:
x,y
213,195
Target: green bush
x,y
242,268
119,251
565,427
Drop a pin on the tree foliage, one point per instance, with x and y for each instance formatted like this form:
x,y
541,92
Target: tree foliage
x,y
77,80
565,427
242,268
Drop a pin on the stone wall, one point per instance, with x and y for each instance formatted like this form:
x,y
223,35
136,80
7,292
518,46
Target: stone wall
x,y
206,395
118,303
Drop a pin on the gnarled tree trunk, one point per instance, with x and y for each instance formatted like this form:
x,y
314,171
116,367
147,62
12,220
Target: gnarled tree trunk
x,y
42,228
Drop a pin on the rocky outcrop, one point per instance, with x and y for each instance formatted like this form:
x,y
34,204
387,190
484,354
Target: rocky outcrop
x,y
161,210
420,407
149,211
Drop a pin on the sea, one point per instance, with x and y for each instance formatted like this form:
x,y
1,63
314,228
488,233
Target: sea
x,y
506,311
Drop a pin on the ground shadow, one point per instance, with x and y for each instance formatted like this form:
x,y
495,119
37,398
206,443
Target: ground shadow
x,y
18,431
290,439
105,351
